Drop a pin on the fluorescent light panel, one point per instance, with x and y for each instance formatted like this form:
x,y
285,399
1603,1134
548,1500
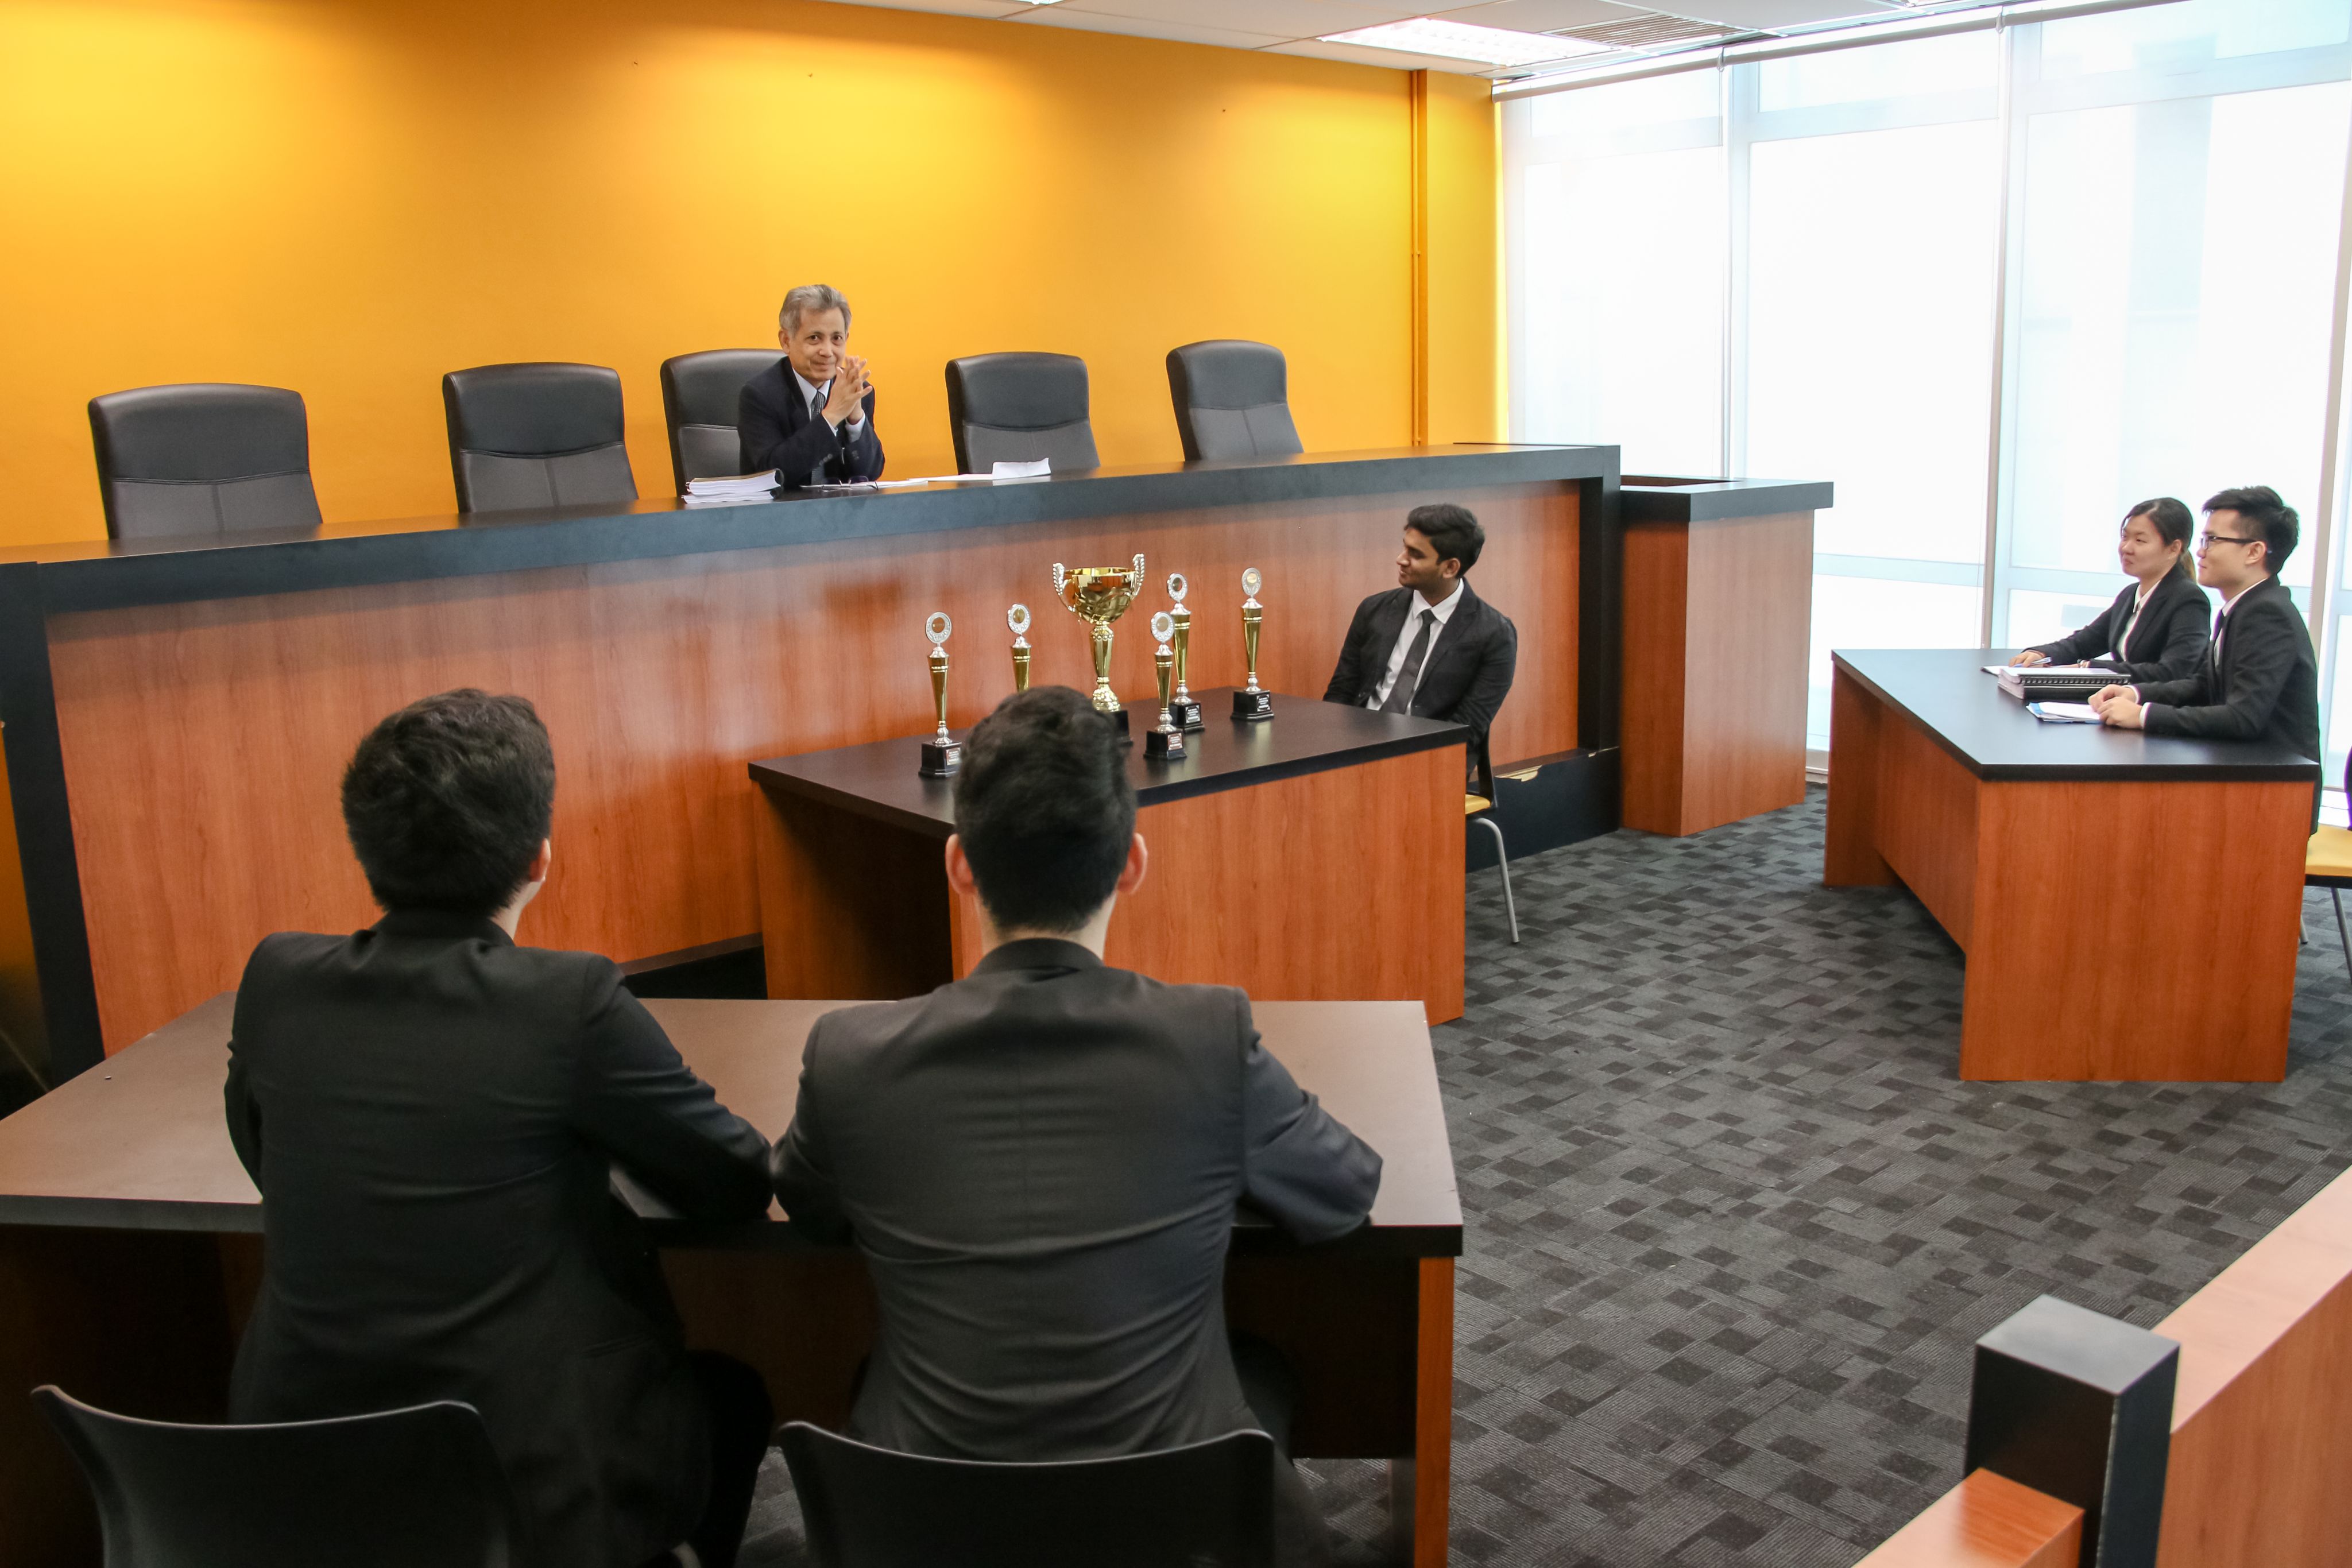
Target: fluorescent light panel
x,y
1466,41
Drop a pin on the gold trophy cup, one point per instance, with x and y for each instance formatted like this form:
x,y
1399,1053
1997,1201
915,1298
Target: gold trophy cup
x,y
943,754
1099,595
1017,617
1250,703
1186,712
1167,741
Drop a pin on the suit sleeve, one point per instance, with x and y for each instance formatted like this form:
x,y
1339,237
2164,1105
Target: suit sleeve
x,y
244,1112
2264,661
636,1100
766,444
2182,651
1498,666
866,446
1347,675
1301,1164
800,1169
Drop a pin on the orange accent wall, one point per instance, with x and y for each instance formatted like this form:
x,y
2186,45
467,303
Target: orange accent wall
x,y
348,197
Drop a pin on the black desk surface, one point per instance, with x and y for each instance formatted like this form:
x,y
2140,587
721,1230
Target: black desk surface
x,y
1946,690
1305,736
1648,499
104,574
140,1143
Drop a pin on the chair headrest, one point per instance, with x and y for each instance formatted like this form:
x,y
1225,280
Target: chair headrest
x,y
1018,392
200,431
1229,372
533,409
705,388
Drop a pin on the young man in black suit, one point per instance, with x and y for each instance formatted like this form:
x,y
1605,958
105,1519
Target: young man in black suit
x,y
2258,680
431,1113
1430,646
812,417
1040,1161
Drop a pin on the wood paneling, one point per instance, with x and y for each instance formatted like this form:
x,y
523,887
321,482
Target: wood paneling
x,y
1850,856
1926,822
1717,616
1333,886
203,742
2047,996
1987,1522
1434,1417
2262,1418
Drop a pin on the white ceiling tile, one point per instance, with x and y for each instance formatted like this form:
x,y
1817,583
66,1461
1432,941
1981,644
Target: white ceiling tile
x,y
1282,18
1765,13
1542,15
1173,32
1394,59
945,7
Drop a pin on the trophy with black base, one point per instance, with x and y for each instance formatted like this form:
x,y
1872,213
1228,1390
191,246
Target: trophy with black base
x,y
1166,742
1099,595
1181,707
1017,617
1250,703
943,754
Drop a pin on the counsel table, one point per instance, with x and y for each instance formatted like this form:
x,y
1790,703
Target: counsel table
x,y
2128,902
1315,855
127,1259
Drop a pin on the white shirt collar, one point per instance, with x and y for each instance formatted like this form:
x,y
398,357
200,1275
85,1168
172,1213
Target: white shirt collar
x,y
2231,603
1445,607
809,389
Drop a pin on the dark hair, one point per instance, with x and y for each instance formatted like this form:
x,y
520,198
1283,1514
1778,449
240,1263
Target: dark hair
x,y
2260,505
1451,531
2172,523
1044,809
447,801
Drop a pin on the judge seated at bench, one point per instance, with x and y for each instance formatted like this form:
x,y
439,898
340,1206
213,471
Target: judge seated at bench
x,y
2258,680
1041,1161
2157,629
810,418
432,1112
1430,646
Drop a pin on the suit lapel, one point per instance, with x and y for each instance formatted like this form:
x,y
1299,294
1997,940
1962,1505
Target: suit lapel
x,y
1449,635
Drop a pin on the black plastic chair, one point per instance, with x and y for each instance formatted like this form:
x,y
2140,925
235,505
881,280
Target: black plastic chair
x,y
1018,408
203,457
1207,1506
1233,400
702,396
418,1488
538,434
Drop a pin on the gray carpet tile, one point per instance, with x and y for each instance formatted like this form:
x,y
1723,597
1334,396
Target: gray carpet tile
x,y
1734,1223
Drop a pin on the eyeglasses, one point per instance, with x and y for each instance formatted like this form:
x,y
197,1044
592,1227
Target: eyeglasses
x,y
2207,541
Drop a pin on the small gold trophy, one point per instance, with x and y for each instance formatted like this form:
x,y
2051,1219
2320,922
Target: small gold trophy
x,y
1017,617
1249,702
1186,712
1099,595
1166,742
943,754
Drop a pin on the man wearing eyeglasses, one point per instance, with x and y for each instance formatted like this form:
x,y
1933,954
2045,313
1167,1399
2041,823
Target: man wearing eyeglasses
x,y
2258,680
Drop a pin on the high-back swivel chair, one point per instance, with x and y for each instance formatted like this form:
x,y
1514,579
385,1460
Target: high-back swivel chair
x,y
701,400
1233,400
543,435
1018,408
203,457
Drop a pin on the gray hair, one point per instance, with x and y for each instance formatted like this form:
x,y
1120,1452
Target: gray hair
x,y
811,299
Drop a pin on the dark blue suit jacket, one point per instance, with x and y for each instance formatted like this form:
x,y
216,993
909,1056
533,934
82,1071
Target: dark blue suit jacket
x,y
778,432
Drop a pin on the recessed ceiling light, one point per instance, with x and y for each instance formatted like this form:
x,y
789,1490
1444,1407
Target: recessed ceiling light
x,y
1466,41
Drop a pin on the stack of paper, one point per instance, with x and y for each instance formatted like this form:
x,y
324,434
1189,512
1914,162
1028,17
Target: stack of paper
x,y
2025,681
2063,712
729,490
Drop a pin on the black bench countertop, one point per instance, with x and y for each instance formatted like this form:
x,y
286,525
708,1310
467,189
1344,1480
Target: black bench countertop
x,y
1305,736
1646,499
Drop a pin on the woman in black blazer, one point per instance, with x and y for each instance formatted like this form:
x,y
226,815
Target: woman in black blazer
x,y
2158,628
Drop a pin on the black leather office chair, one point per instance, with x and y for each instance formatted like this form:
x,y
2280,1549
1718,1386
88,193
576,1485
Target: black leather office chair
x,y
203,457
1017,408
1210,1504
1233,400
701,397
419,1488
536,435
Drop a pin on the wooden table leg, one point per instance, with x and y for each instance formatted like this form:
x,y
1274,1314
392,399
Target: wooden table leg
x,y
1850,856
1432,1436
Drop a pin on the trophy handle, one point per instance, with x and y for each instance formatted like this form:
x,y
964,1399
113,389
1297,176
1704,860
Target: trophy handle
x,y
1057,577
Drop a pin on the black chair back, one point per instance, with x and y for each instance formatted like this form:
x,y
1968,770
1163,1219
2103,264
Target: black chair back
x,y
1207,1506
419,1488
203,457
701,400
1018,408
536,435
1233,400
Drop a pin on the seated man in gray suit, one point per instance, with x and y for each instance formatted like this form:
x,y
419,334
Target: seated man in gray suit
x,y
1040,1161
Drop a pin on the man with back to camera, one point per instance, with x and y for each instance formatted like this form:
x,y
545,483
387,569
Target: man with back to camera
x,y
2258,680
810,418
1040,1161
1430,646
431,1113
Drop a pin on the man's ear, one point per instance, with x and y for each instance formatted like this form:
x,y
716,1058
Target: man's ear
x,y
1449,567
1139,860
960,875
542,861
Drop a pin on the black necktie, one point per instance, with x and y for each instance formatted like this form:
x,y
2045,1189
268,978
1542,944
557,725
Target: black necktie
x,y
1401,695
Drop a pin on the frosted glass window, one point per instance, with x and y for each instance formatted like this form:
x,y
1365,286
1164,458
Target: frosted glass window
x,y
1954,64
2183,37
1870,332
2179,278
1875,612
1606,111
2036,617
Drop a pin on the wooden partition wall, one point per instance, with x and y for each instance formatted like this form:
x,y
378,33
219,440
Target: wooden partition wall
x,y
2262,1427
203,741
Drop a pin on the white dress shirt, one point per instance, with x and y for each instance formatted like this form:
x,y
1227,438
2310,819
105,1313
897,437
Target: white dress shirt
x,y
1444,608
2132,624
2221,621
813,398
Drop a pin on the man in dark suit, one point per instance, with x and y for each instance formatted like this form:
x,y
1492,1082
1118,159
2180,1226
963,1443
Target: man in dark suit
x,y
2258,680
1040,1161
432,1112
1430,646
812,417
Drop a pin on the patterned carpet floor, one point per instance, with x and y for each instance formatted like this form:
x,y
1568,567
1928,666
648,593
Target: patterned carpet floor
x,y
1734,1223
